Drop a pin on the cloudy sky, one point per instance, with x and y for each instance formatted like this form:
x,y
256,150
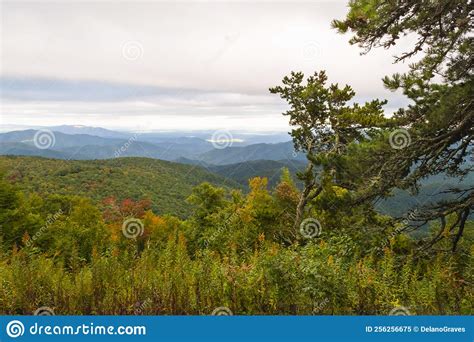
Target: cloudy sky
x,y
162,65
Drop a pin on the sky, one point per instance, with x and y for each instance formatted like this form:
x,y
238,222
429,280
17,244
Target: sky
x,y
162,65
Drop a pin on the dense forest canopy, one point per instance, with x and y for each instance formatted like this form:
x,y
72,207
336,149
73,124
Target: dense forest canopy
x,y
238,251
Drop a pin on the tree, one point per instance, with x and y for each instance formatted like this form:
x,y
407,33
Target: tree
x,y
439,123
207,199
118,212
17,221
325,126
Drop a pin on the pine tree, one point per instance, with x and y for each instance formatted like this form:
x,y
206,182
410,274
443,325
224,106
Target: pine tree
x,y
325,125
439,122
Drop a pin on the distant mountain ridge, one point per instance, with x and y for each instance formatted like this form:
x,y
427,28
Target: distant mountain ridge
x,y
271,169
234,164
96,131
83,143
61,139
232,155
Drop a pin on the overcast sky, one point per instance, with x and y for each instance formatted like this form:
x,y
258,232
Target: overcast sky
x,y
159,65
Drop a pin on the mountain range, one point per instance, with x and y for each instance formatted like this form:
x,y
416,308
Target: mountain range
x,y
83,143
233,165
238,162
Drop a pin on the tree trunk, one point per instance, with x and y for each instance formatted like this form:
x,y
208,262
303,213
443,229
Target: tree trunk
x,y
309,192
301,205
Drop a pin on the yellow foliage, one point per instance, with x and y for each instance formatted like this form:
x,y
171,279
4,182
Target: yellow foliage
x,y
339,192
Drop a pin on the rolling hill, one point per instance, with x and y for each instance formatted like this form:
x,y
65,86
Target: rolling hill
x,y
242,172
61,140
239,154
431,191
84,146
81,143
237,164
166,184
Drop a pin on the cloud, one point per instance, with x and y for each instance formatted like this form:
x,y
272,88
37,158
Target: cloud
x,y
88,61
44,89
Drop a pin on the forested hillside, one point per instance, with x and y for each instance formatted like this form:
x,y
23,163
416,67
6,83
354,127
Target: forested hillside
x,y
165,184
72,143
238,251
271,169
